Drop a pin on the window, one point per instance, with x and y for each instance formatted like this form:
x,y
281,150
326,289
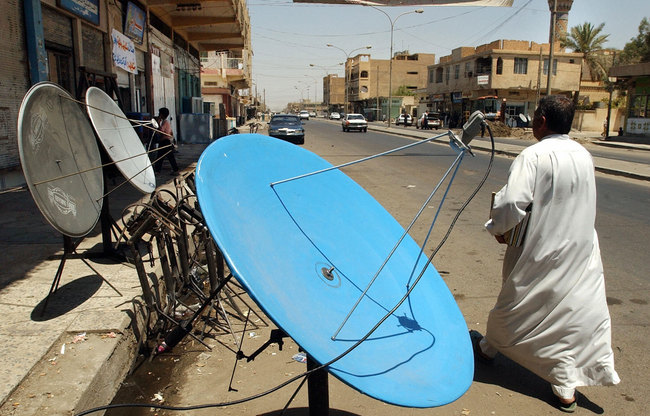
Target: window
x,y
447,71
456,71
438,75
500,66
468,69
546,66
431,72
412,72
483,66
521,66
364,74
639,106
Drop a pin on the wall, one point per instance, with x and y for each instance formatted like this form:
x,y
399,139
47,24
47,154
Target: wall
x,y
14,82
594,120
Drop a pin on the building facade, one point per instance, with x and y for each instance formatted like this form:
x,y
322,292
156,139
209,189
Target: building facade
x,y
145,54
365,84
333,93
637,79
368,82
504,79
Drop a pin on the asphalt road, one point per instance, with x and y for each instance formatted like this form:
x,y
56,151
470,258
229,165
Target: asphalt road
x,y
470,263
623,225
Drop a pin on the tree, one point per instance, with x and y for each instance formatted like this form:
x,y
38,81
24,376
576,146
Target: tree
x,y
588,40
638,48
403,91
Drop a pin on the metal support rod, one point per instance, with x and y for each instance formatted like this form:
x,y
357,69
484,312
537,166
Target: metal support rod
x,y
399,241
317,390
363,159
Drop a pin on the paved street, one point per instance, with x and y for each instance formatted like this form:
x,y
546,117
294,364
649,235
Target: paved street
x,y
40,376
469,263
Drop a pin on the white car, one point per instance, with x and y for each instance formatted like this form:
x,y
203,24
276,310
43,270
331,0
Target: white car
x,y
354,122
304,115
335,116
408,121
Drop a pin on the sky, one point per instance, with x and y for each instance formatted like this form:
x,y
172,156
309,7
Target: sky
x,y
289,37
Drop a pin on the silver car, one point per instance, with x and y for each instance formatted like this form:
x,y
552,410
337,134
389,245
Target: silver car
x,y
287,127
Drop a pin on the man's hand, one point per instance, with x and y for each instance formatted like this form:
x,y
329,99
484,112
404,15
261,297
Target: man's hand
x,y
501,239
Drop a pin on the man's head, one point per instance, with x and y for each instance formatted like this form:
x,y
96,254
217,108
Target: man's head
x,y
554,115
163,112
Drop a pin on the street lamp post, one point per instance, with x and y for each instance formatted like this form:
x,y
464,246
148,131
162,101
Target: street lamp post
x,y
347,58
390,61
315,87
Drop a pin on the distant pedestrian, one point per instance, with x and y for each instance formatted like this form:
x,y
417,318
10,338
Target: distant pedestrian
x,y
620,131
551,315
165,137
425,121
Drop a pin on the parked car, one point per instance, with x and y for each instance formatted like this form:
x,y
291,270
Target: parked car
x,y
287,127
354,122
312,114
335,116
433,121
404,119
304,115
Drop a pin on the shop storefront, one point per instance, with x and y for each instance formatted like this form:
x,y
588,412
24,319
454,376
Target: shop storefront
x,y
637,79
59,46
638,121
163,74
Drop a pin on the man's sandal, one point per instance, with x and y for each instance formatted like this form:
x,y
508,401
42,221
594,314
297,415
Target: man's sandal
x,y
476,338
568,407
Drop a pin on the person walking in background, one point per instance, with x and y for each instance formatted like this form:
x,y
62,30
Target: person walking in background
x,y
165,137
551,315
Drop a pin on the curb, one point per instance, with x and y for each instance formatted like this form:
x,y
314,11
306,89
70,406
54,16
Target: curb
x,y
598,168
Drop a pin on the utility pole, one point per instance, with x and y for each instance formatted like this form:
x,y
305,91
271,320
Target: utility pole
x,y
377,93
539,77
551,42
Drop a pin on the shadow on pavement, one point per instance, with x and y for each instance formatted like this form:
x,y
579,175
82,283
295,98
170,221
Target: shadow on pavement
x,y
67,298
304,411
511,376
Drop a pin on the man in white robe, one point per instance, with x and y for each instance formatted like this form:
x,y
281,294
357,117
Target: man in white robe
x,y
551,315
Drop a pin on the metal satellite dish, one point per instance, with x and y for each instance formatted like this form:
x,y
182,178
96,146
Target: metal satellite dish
x,y
523,118
305,249
120,140
60,159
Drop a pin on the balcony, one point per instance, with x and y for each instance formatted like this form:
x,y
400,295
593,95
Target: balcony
x,y
231,71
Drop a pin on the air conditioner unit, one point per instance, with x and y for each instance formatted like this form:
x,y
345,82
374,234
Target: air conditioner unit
x,y
197,104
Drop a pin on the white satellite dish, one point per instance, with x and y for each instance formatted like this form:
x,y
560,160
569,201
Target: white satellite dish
x,y
120,140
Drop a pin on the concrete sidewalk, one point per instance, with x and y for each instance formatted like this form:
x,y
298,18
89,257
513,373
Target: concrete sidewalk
x,y
634,170
74,355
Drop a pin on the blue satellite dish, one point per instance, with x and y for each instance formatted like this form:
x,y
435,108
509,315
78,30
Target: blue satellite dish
x,y
306,249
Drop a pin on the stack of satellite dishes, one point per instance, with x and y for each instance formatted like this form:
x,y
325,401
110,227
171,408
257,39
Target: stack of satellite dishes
x,y
61,159
303,249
